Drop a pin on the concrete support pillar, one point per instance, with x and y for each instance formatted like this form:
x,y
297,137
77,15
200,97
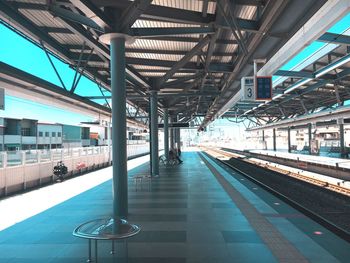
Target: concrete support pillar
x,y
178,138
172,136
289,141
120,176
154,133
274,139
166,134
263,135
263,140
309,127
341,137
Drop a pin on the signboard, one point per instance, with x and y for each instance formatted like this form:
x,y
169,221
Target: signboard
x,y
263,87
175,125
2,99
248,90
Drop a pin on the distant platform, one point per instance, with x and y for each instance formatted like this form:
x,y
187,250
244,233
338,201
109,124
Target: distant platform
x,y
345,163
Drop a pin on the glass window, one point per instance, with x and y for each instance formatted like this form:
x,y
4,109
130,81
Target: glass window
x,y
25,131
59,134
53,134
40,134
47,134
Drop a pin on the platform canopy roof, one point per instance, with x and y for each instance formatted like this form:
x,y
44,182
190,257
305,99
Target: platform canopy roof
x,y
194,51
311,74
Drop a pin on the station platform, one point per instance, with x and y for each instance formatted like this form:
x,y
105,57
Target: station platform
x,y
331,161
198,211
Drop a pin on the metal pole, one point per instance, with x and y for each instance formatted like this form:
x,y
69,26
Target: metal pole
x,y
166,134
289,143
263,135
120,176
341,139
274,139
171,138
310,136
150,137
154,133
179,139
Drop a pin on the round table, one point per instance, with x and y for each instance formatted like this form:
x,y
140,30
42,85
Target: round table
x,y
106,229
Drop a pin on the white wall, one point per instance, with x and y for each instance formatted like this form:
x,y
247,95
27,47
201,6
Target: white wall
x,y
22,170
42,127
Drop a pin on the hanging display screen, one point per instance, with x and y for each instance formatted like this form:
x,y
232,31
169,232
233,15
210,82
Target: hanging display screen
x,y
263,88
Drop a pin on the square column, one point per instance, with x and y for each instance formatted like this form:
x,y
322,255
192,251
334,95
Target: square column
x,y
274,139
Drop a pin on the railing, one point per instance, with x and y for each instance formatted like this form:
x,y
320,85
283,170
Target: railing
x,y
25,169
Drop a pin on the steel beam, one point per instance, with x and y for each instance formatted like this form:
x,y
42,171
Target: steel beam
x,y
132,13
182,62
159,95
171,52
297,74
214,67
19,21
74,17
22,84
311,31
165,31
335,38
93,12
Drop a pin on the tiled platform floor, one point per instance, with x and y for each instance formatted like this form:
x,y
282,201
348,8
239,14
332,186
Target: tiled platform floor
x,y
189,216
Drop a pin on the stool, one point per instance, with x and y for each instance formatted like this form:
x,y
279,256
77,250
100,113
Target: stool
x,y
140,179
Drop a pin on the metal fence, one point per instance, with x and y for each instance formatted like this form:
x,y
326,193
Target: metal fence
x,y
25,169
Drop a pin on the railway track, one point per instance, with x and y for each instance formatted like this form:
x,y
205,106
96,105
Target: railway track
x,y
314,197
217,153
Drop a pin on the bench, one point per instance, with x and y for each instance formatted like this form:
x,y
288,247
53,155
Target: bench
x,y
162,159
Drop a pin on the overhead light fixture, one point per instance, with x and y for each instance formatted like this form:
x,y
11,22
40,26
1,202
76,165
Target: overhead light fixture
x,y
296,85
332,66
277,96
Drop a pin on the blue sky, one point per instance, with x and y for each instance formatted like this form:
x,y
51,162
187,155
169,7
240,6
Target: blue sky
x,y
317,47
21,53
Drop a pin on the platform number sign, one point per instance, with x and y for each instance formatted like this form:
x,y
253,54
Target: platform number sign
x,y
263,88
247,86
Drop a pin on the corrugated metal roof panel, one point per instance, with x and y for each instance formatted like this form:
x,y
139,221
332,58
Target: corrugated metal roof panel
x,y
147,23
246,12
67,39
30,1
41,18
142,67
193,5
155,56
161,45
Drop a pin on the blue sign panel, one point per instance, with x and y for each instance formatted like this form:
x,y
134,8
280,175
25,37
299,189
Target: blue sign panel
x,y
263,88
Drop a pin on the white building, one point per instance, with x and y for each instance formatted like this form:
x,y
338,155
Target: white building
x,y
49,135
